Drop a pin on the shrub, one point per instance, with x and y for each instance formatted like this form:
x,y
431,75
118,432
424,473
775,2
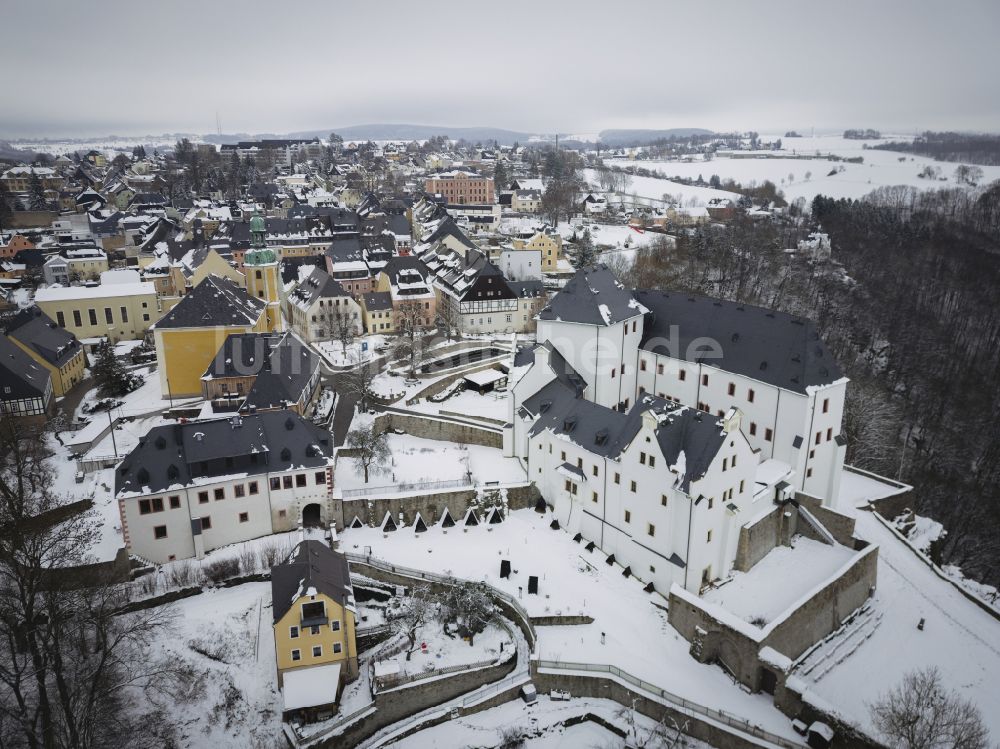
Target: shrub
x,y
221,569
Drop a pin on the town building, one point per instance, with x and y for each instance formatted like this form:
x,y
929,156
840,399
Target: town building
x,y
319,307
25,386
188,337
548,243
460,186
255,372
52,347
117,311
376,312
314,621
411,291
188,488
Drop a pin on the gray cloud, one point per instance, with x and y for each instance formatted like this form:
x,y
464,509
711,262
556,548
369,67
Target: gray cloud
x,y
148,67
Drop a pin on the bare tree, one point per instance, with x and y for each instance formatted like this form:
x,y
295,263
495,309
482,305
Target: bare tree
x,y
448,317
871,426
371,450
73,659
411,325
358,382
920,713
413,612
343,328
664,734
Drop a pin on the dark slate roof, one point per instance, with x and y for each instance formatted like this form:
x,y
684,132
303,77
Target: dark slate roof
x,y
213,302
37,331
312,564
398,224
564,371
773,347
19,372
377,300
318,284
199,451
586,294
284,377
30,258
606,432
290,266
527,288
345,250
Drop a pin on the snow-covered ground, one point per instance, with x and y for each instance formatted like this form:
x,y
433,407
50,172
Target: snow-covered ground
x,y
573,582
415,460
332,350
224,635
959,638
542,725
469,403
880,168
800,568
654,189
609,236
444,651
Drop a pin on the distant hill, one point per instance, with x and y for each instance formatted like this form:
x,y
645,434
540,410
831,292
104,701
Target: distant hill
x,y
416,132
641,137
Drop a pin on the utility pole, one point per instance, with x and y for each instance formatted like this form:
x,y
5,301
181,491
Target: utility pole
x,y
114,444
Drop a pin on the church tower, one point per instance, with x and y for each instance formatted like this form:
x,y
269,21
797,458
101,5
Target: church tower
x,y
263,277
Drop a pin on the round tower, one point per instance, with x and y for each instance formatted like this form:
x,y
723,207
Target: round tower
x,y
263,276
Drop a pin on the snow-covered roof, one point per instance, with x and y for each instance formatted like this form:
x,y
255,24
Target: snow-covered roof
x,y
310,687
66,293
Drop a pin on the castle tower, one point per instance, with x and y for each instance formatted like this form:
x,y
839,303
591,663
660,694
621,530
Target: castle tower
x,y
263,276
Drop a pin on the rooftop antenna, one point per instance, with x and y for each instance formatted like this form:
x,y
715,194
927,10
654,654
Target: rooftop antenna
x,y
218,123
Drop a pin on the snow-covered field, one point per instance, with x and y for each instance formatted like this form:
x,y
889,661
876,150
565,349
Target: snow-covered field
x,y
638,638
654,189
415,460
880,168
542,723
806,565
612,236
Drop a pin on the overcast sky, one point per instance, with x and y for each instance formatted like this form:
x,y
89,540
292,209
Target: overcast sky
x,y
127,67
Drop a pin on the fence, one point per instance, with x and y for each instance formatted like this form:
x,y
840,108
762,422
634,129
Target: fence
x,y
297,739
496,688
507,599
97,462
404,487
720,716
383,683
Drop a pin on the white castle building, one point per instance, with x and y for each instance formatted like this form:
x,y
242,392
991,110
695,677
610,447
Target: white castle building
x,y
658,424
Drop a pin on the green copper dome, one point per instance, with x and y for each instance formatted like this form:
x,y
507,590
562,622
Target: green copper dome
x,y
257,223
260,257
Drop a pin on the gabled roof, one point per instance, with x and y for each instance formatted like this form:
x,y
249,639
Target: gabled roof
x,y
688,439
36,330
282,365
312,566
593,297
19,373
773,347
377,300
317,285
216,301
198,452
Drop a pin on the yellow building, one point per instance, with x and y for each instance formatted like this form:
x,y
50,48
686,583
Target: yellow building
x,y
263,279
549,243
314,628
55,349
117,311
189,335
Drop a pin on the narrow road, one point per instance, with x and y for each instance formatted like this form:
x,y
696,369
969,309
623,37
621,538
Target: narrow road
x,y
343,413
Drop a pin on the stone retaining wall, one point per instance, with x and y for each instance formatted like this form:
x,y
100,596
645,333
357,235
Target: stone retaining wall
x,y
717,635
396,704
445,429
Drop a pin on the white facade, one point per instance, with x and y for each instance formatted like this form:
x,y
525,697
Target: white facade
x,y
521,265
168,525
